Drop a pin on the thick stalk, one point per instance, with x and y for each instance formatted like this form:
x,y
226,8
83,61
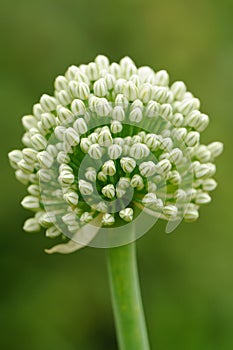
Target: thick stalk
x,y
126,298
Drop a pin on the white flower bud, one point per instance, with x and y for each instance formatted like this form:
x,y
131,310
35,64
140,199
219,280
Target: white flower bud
x,y
118,141
85,145
108,191
127,164
64,115
116,127
71,72
85,187
147,169
115,70
22,177
109,168
34,190
188,105
170,211
108,219
38,142
178,89
100,88
202,123
92,71
159,93
52,232
102,107
78,107
151,187
125,150
61,83
44,175
152,109
47,220
45,159
123,183
63,157
69,219
202,171
80,126
90,174
139,151
192,138
52,150
37,111
118,113
191,214
26,167
216,148
180,195
177,120
144,72
63,97
66,177
120,192
110,81
130,91
101,176
150,200
209,185
105,138
121,100
202,198
202,153
163,167
166,111
174,177
29,121
86,217
71,137
81,77
145,92
152,142
179,133
31,202
93,137
31,225
59,132
119,86
71,198
161,78
80,90
136,139
48,103
135,79
166,144
14,157
135,115
137,182
126,214
114,151
176,156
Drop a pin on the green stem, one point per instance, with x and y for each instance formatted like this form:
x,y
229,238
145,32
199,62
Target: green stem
x,y
126,298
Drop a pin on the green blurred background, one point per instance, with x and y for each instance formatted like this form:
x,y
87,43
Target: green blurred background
x,y
62,302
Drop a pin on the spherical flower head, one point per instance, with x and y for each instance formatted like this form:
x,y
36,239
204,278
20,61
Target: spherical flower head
x,y
114,139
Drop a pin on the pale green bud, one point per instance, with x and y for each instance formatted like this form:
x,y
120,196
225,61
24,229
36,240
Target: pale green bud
x,y
150,200
124,182
191,214
52,232
108,191
71,198
109,168
86,217
151,187
48,103
45,159
100,88
152,142
176,156
209,185
116,127
85,187
145,92
139,151
26,139
202,198
34,190
31,202
163,167
38,142
130,91
216,148
174,177
14,157
127,164
93,137
114,151
118,113
108,219
161,78
101,207
105,138
180,195
69,219
95,151
121,100
135,115
125,150
101,176
61,83
26,167
63,157
59,132
71,137
29,121
126,214
47,220
22,177
178,89
166,144
137,182
85,145
147,169
120,192
90,174
52,150
170,211
136,139
118,141
78,107
64,115
44,175
66,177
31,225
192,138
102,107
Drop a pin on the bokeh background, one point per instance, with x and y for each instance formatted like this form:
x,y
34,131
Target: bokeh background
x,y
62,302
